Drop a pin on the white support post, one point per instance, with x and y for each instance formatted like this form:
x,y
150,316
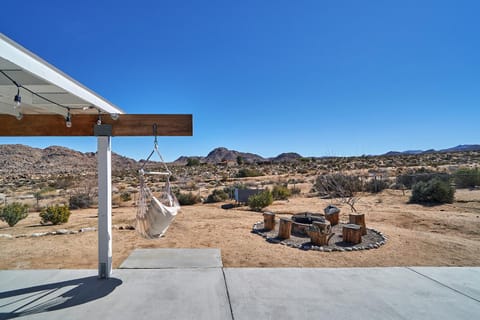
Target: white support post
x,y
104,157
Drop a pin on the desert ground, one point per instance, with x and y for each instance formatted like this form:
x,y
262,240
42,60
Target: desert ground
x,y
443,235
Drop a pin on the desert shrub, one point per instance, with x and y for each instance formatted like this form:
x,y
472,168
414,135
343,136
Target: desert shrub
x,y
191,162
467,178
260,200
337,185
14,212
408,180
217,196
187,199
80,201
125,196
432,191
295,191
245,172
280,192
55,215
63,182
376,185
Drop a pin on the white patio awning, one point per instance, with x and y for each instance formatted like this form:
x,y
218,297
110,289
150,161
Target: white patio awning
x,y
43,88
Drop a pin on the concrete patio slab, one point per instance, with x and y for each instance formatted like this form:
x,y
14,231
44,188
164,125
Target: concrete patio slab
x,y
129,294
462,279
190,284
360,293
173,258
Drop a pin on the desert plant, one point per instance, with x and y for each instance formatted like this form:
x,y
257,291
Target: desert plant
x,y
14,212
80,201
125,196
191,162
295,191
467,178
376,185
260,200
217,196
245,172
62,182
432,191
338,185
187,199
408,180
55,215
281,192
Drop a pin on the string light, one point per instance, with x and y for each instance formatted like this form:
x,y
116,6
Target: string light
x,y
17,101
68,119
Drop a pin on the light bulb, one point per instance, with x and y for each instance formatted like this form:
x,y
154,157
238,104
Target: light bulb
x,y
114,116
17,101
68,120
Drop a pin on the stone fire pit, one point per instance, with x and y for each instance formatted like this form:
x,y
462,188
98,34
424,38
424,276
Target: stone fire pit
x,y
301,226
302,221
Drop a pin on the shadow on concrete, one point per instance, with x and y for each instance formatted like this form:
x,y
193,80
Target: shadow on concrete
x,y
54,296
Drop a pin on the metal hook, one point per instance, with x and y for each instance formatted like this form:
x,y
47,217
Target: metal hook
x,y
155,133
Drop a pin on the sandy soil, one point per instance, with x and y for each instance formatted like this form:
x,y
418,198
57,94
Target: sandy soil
x,y
446,235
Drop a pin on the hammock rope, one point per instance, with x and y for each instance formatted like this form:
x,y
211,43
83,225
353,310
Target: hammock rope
x,y
155,214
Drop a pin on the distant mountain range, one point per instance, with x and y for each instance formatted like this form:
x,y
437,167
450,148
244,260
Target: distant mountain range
x,y
18,160
459,148
224,155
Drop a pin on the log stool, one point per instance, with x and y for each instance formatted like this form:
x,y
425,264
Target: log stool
x,y
268,221
320,233
352,233
333,218
358,219
285,228
324,227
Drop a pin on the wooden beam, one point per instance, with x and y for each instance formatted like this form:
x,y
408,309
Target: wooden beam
x,y
82,125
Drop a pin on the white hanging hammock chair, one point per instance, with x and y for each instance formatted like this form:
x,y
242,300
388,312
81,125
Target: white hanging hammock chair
x,y
155,214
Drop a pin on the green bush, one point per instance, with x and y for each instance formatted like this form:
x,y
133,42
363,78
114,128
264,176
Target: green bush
x,y
467,178
80,201
191,162
244,173
55,215
217,196
261,200
408,180
125,196
280,192
13,213
187,199
432,191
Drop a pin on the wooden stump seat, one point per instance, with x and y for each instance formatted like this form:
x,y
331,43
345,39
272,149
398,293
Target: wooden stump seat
x,y
358,218
333,218
285,228
268,221
352,233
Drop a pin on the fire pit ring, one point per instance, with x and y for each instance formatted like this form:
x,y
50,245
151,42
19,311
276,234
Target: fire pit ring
x,y
302,221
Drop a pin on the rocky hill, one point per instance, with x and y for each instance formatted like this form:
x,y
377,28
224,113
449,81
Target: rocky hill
x,y
223,154
17,160
459,148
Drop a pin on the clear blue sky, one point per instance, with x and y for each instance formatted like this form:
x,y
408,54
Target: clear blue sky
x,y
314,77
